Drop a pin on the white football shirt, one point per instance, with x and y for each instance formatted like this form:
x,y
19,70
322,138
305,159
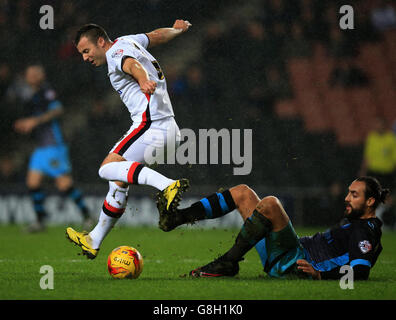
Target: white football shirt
x,y
159,105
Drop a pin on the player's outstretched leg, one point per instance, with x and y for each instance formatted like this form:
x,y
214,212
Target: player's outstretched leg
x,y
220,267
267,216
112,209
214,206
253,230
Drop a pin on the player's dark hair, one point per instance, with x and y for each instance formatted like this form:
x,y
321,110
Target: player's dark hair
x,y
92,32
374,189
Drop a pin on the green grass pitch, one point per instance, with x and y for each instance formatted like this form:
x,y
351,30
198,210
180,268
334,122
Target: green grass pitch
x,y
166,257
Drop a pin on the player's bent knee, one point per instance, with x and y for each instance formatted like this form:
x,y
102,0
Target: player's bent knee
x,y
64,183
269,206
240,193
102,171
242,189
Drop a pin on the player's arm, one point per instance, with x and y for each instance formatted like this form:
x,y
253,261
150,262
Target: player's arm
x,y
307,268
26,125
138,72
163,35
360,271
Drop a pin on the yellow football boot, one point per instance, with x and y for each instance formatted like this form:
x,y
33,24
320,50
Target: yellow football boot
x,y
82,240
169,198
173,193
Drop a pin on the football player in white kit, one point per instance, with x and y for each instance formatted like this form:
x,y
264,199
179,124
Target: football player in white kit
x,y
137,77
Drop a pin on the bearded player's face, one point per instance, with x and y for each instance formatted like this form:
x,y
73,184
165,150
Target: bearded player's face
x,y
355,201
93,53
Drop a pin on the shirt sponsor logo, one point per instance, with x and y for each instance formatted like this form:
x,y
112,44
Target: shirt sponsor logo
x,y
118,53
365,246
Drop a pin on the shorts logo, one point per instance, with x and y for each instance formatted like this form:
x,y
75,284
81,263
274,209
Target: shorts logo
x,y
365,246
117,53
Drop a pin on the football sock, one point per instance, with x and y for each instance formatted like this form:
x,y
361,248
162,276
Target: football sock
x,y
113,208
78,199
152,178
214,206
38,197
255,228
133,172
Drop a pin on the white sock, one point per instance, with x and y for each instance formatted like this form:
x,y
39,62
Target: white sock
x,y
113,208
152,178
134,173
119,171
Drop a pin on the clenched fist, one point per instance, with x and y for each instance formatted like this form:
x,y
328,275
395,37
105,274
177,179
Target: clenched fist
x,y
182,24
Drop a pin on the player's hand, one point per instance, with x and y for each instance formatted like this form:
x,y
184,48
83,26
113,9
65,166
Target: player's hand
x,y
182,24
148,86
306,267
25,125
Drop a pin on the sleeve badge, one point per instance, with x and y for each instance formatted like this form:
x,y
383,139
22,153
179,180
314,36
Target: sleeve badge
x,y
118,53
365,246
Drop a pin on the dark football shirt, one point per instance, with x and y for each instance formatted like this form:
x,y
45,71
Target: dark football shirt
x,y
42,101
355,243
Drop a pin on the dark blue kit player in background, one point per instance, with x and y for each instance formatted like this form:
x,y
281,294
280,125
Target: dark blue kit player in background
x,y
50,157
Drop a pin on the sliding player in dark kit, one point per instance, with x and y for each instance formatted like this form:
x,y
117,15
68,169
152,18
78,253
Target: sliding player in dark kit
x,y
354,242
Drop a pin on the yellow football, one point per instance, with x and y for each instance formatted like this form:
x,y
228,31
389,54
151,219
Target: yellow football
x,y
125,262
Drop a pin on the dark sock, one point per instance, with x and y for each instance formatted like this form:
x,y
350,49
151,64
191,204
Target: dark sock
x,y
211,207
78,199
255,228
38,197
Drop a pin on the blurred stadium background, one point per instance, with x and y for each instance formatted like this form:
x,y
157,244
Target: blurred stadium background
x,y
282,68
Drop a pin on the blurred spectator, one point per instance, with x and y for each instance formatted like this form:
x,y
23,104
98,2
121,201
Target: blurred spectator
x,y
387,213
66,49
191,90
340,45
347,74
297,45
196,89
175,82
254,57
379,159
383,16
10,171
312,30
276,10
272,87
95,141
365,32
214,46
255,54
5,79
276,86
277,83
327,209
277,39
